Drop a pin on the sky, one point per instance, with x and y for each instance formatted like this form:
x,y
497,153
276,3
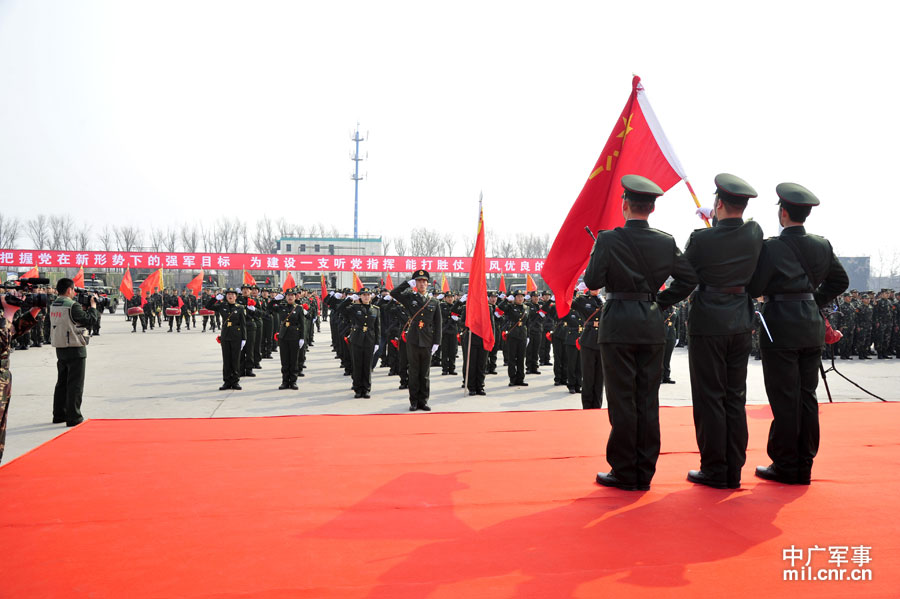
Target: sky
x,y
159,113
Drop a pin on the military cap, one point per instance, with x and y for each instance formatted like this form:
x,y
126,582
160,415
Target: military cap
x,y
421,274
492,294
546,292
364,290
854,291
246,286
640,188
291,290
232,290
733,189
796,195
518,292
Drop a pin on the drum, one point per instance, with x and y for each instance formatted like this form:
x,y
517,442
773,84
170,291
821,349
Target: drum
x,y
173,311
135,311
207,312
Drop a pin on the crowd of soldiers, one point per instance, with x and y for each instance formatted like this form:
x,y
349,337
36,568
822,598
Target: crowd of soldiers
x,y
869,324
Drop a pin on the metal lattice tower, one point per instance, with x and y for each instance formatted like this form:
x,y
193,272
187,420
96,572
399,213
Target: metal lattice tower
x,y
356,178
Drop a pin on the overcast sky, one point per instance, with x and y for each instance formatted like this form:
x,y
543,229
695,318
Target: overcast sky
x,y
161,112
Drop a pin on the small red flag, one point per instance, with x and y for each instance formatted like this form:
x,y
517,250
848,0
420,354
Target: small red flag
x,y
196,284
445,286
357,284
79,278
127,285
180,302
324,288
248,278
388,283
529,284
478,315
636,146
288,282
152,282
502,284
31,274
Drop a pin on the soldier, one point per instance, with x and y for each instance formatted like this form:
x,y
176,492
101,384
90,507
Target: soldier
x,y
170,300
247,362
632,262
135,302
560,349
290,317
474,353
724,258
491,367
423,336
883,320
549,308
848,327
365,333
186,297
799,274
514,333
9,331
864,316
671,340
268,325
450,334
572,330
589,306
536,316
233,336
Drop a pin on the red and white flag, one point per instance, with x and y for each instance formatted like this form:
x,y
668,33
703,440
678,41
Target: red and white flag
x,y
636,146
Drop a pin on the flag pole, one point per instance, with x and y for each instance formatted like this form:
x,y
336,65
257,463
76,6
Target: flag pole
x,y
696,201
469,340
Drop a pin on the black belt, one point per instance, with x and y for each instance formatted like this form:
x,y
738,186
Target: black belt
x,y
789,297
631,296
730,290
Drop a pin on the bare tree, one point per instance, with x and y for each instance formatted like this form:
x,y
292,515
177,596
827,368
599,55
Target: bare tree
x,y
190,237
469,244
400,245
224,236
502,247
286,229
386,246
83,238
128,238
38,231
9,231
157,239
107,239
532,246
243,237
449,243
170,240
265,240
425,242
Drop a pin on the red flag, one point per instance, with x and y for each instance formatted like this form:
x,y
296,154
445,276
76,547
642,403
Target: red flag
x,y
478,315
388,283
248,278
143,300
357,284
445,286
127,285
79,278
502,284
152,282
288,282
324,288
636,146
180,302
31,274
529,284
196,284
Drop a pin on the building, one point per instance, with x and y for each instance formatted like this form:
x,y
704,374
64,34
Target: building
x,y
365,245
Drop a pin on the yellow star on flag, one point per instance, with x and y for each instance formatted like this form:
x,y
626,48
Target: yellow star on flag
x,y
628,128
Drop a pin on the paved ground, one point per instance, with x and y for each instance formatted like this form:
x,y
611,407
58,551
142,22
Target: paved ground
x,y
177,375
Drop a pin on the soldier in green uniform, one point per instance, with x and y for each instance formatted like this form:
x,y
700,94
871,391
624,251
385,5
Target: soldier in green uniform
x,y
423,336
233,336
844,347
799,274
671,340
515,333
572,328
864,316
724,258
450,320
9,331
548,307
633,262
883,320
589,306
364,337
68,321
248,349
290,318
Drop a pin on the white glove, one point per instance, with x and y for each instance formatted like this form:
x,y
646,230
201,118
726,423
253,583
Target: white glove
x,y
552,298
581,286
354,297
301,343
527,296
412,283
243,343
280,296
440,296
220,297
527,341
677,341
497,314
338,295
704,211
434,348
331,293
454,317
462,300
542,314
375,351
251,308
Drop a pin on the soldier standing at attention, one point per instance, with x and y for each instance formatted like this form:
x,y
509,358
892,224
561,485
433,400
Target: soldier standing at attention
x,y
364,337
864,315
589,306
633,262
247,349
289,316
848,327
232,338
423,336
449,342
883,318
724,258
515,334
799,274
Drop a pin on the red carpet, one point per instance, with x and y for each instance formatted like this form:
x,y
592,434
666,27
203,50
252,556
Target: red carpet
x,y
434,505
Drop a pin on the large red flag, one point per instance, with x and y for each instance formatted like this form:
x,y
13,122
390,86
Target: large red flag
x,y
478,315
31,274
79,278
127,285
289,282
196,284
152,281
324,288
388,283
636,146
248,278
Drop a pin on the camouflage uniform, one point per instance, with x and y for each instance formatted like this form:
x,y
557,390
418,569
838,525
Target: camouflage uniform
x,y
883,324
864,314
848,329
9,332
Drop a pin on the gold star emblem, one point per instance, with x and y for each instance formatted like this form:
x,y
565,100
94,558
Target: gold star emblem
x,y
628,128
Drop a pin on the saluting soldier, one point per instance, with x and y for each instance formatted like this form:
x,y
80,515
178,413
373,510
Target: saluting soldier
x,y
632,262
289,316
724,258
247,349
450,318
515,334
423,336
798,273
364,337
589,306
536,317
233,336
